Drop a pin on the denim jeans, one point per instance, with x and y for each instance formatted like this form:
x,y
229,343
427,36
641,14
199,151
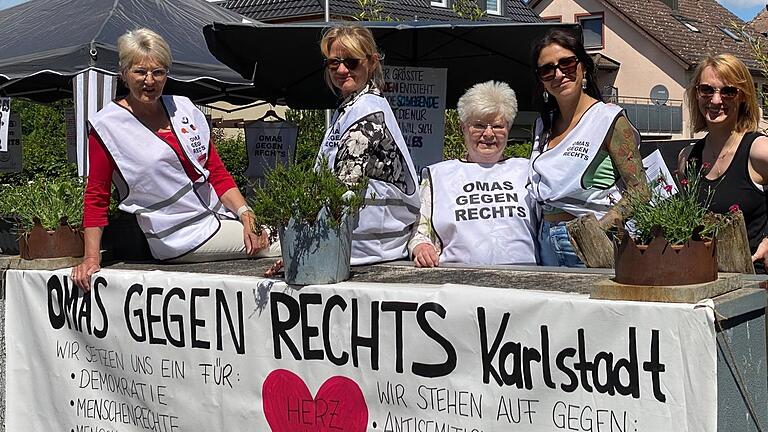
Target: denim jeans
x,y
554,247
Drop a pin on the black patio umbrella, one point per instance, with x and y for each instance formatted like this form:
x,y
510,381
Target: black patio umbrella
x,y
285,63
45,43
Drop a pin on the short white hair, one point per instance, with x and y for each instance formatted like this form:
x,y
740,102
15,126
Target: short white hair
x,y
488,98
137,44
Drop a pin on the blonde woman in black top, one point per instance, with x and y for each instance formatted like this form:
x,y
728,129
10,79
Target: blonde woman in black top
x,y
733,157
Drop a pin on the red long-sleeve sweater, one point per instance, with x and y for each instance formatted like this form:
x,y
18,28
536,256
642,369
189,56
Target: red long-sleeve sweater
x,y
101,167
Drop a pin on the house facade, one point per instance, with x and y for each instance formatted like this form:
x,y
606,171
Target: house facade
x,y
283,11
646,53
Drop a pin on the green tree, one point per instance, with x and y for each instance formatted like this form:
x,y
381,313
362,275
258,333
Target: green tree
x,y
44,142
371,10
759,48
758,44
311,124
467,9
234,157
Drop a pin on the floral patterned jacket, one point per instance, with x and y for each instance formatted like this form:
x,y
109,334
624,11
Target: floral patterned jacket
x,y
368,148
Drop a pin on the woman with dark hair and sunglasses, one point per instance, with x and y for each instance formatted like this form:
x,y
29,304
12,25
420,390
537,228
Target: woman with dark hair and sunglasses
x,y
584,150
365,140
734,157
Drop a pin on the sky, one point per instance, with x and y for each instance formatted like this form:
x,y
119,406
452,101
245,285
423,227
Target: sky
x,y
744,9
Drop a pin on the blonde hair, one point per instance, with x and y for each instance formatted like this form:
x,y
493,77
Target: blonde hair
x,y
137,44
358,42
733,72
488,98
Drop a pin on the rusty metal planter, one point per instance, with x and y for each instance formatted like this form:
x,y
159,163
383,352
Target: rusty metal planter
x,y
41,243
661,263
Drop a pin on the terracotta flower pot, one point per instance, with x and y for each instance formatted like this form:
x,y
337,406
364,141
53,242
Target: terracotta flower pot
x,y
41,243
660,263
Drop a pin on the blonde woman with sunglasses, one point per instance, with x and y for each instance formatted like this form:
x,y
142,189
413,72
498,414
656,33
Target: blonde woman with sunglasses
x,y
584,151
365,140
734,157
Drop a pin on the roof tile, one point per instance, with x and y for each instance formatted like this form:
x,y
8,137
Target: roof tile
x,y
760,22
708,16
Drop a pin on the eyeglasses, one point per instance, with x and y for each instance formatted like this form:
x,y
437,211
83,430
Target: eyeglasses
x,y
349,63
157,74
567,66
479,127
726,92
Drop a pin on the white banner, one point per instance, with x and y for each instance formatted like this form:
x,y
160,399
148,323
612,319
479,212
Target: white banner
x,y
191,352
417,98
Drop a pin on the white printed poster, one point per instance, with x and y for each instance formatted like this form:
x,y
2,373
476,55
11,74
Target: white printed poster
x,y
417,98
5,114
165,352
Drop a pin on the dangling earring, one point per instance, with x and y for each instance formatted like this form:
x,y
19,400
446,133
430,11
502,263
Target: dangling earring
x,y
584,83
545,96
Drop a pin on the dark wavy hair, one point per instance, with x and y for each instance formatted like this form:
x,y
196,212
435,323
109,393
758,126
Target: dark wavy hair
x,y
549,110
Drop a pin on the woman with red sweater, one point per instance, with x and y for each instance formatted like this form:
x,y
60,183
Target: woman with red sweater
x,y
158,152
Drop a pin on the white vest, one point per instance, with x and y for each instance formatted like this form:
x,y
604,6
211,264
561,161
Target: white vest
x,y
483,213
175,214
385,221
556,176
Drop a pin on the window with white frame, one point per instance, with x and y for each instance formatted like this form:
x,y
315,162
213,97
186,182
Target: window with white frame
x,y
592,29
493,7
439,3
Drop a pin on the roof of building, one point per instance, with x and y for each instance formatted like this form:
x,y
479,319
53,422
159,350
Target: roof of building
x,y
693,30
760,22
282,10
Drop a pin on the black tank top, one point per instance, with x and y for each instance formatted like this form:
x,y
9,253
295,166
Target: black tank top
x,y
735,186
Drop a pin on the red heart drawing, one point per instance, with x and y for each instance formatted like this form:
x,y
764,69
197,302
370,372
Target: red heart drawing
x,y
339,405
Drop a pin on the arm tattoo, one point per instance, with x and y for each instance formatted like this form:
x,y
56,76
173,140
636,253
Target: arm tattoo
x,y
623,148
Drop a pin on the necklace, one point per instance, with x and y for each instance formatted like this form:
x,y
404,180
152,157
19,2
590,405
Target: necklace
x,y
725,151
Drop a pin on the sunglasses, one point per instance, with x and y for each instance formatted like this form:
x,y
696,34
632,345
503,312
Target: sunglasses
x,y
707,91
567,66
333,63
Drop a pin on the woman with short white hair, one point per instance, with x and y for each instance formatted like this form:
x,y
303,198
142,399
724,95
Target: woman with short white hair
x,y
158,152
477,210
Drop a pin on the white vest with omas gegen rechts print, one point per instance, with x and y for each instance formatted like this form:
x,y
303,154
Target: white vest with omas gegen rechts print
x,y
482,213
175,214
385,221
556,175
